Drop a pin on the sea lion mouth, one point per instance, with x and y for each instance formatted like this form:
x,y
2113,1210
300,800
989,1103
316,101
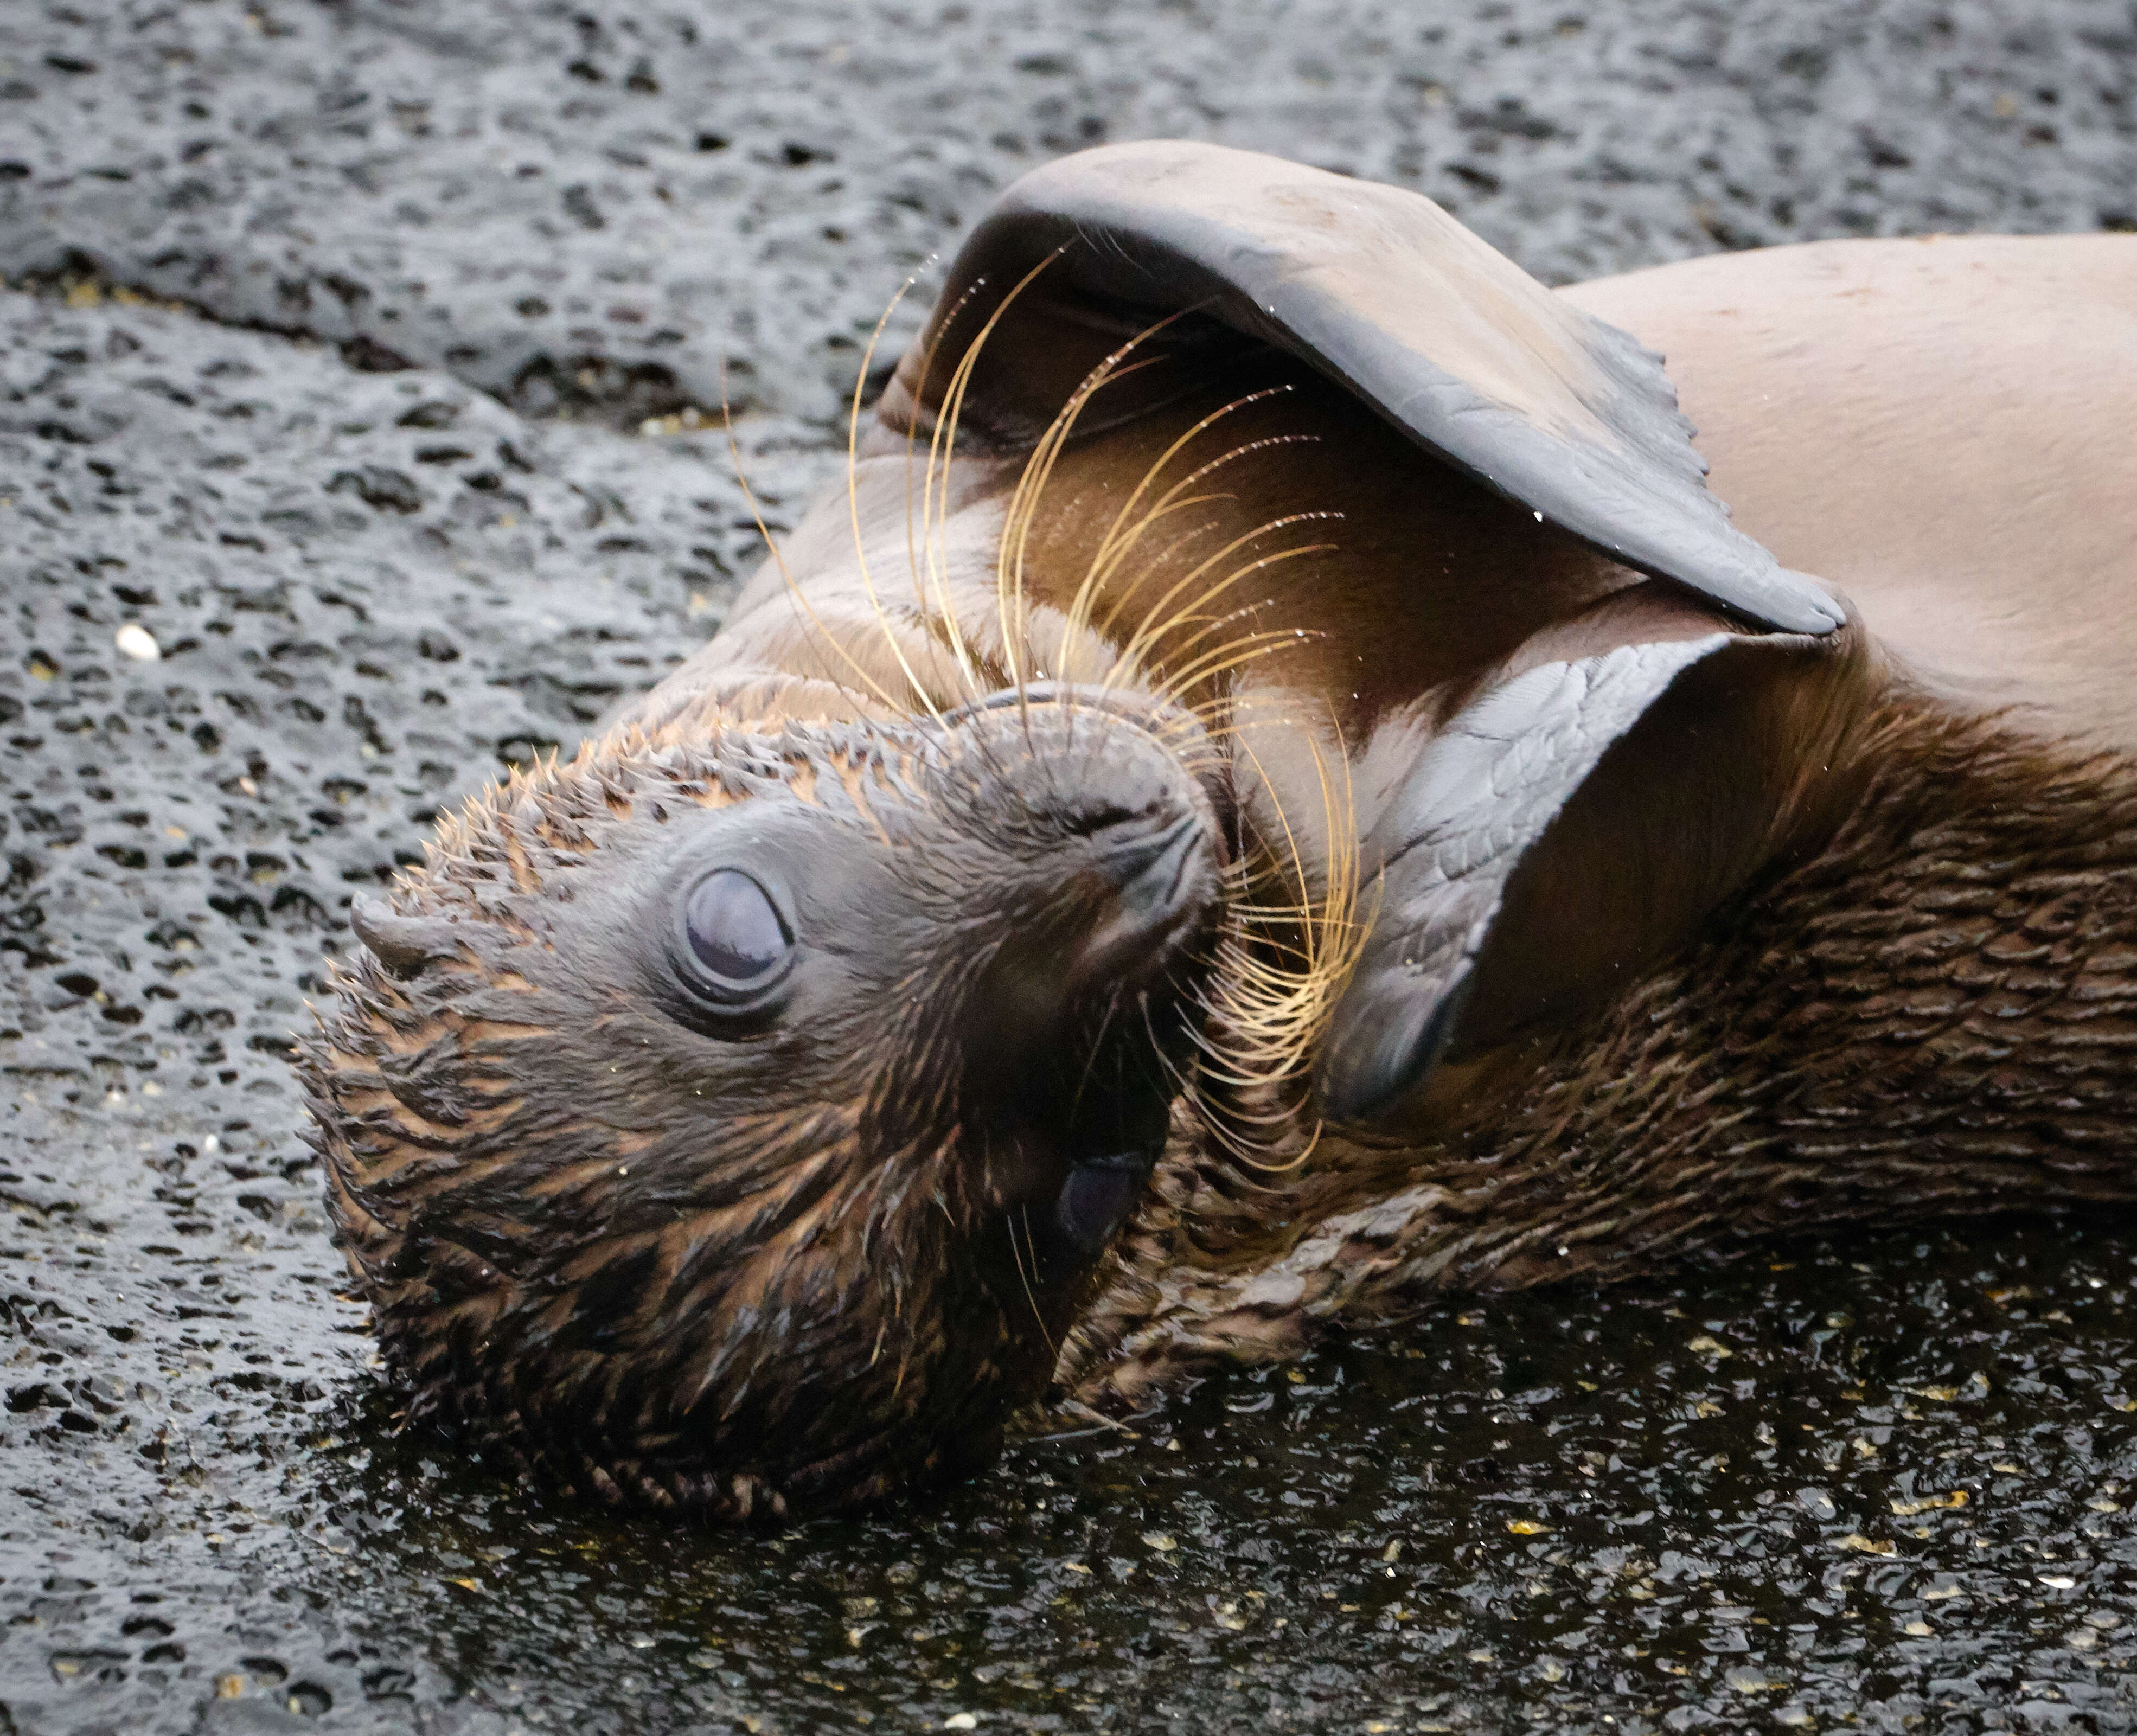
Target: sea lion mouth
x,y
1100,1193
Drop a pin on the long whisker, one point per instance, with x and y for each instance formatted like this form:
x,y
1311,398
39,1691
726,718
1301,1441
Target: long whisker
x,y
1031,1241
1098,1041
778,556
854,505
1233,653
1016,1253
935,497
1267,1013
1117,548
1112,547
943,326
1023,504
1172,501
1037,471
1157,622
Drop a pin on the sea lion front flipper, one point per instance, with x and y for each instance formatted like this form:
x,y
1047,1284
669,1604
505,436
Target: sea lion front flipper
x,y
1576,822
1379,289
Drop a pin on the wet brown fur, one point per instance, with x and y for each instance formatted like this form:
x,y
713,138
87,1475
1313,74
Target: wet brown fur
x,y
1935,1014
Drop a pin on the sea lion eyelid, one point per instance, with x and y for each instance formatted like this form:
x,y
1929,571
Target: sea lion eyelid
x,y
733,942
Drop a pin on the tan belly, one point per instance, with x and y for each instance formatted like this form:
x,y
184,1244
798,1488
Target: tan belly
x,y
1945,430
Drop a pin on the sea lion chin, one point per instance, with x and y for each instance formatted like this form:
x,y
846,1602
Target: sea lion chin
x,y
1273,788
736,1121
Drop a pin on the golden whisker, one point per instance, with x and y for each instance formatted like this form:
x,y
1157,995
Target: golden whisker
x,y
1164,459
1016,1254
1171,496
942,327
1187,612
942,445
1225,660
1030,487
779,557
1037,471
1113,547
1154,626
1269,1016
853,506
1155,623
1234,654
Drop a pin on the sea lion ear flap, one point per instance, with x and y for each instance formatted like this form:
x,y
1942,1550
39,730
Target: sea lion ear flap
x,y
1380,289
1579,822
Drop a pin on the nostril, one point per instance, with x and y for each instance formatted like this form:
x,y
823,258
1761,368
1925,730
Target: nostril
x,y
1138,853
1154,897
1093,821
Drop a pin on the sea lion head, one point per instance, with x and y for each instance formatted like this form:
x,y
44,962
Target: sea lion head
x,y
737,1120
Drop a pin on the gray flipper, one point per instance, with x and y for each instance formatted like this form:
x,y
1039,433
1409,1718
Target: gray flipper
x,y
1384,292
1580,822
1481,795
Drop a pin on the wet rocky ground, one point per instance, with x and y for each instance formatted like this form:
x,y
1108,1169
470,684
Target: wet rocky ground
x,y
359,354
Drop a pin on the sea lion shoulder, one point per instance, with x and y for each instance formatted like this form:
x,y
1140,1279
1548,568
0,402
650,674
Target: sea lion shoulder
x,y
1939,427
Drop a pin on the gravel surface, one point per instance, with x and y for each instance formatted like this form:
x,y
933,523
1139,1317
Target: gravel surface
x,y
356,352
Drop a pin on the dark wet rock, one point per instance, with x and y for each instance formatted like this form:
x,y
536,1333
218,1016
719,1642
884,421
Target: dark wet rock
x,y
596,205
331,329
334,661
344,648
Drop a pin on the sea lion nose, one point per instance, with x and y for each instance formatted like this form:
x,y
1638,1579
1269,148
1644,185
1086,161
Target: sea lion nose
x,y
1150,866
1162,876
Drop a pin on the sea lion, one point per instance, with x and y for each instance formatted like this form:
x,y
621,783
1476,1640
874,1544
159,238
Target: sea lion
x,y
1273,787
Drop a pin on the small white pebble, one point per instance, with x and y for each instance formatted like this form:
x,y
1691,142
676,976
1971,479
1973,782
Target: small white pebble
x,y
137,642
961,1721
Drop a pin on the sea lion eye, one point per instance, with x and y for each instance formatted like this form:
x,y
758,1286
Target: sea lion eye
x,y
737,936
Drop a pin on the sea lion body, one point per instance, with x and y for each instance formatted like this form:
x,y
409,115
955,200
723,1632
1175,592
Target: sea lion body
x,y
1940,429
1494,865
